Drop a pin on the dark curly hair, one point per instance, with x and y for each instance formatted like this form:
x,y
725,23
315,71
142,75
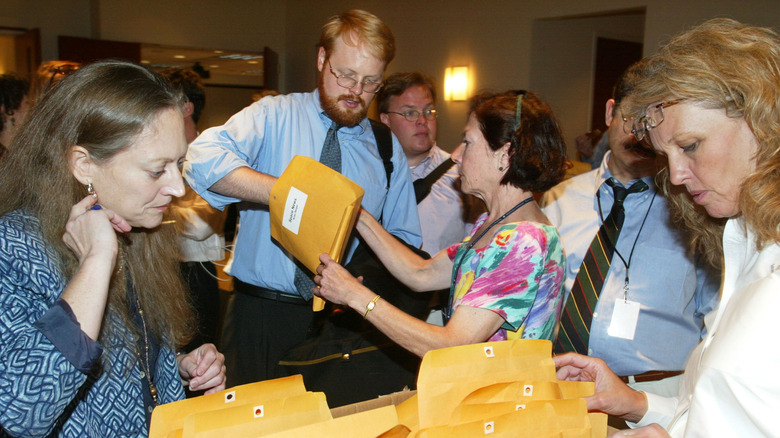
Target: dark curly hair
x,y
537,151
12,91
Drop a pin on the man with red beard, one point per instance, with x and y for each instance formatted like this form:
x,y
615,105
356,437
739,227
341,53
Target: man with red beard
x,y
648,318
271,308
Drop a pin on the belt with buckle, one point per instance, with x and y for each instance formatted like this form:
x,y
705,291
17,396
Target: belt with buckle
x,y
268,294
650,376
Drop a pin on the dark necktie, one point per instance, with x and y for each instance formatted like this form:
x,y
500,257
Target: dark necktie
x,y
331,157
574,329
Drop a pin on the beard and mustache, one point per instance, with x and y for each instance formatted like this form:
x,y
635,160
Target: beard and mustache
x,y
343,117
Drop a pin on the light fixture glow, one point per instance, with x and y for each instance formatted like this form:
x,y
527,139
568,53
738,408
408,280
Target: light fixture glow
x,y
456,81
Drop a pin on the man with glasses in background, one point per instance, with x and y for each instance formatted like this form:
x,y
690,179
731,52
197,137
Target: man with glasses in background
x,y
643,312
407,105
271,309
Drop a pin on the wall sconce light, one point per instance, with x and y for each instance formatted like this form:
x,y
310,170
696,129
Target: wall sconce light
x,y
456,81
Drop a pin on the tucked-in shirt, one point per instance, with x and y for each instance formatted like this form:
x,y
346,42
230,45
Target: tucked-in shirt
x,y
674,291
53,380
265,136
519,275
730,387
443,213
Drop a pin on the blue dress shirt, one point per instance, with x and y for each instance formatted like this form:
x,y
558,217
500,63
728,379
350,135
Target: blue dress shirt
x,y
265,136
674,291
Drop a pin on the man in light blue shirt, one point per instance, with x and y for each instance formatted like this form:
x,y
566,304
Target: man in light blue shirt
x,y
669,287
241,160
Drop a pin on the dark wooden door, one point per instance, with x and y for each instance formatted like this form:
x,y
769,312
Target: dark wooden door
x,y
613,57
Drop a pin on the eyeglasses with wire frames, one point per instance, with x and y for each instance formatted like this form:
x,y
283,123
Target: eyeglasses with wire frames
x,y
350,83
414,115
652,118
64,70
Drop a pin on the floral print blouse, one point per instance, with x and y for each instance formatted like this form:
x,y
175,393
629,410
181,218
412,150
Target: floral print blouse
x,y
519,275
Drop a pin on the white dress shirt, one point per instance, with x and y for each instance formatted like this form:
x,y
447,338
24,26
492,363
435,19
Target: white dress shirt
x,y
730,387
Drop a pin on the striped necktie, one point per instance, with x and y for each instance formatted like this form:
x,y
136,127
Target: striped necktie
x,y
574,329
331,157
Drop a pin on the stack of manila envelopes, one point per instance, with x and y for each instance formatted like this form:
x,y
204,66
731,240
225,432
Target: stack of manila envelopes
x,y
495,389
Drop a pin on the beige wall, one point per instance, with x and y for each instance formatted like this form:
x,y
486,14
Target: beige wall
x,y
494,37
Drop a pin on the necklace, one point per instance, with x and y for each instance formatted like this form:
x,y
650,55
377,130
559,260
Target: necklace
x,y
148,371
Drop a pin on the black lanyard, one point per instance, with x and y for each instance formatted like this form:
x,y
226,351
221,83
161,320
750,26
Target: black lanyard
x,y
614,244
470,244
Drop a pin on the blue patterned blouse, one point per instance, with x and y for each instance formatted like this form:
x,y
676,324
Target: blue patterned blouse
x,y
52,380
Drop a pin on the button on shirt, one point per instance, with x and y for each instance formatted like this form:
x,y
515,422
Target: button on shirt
x,y
441,212
265,136
674,292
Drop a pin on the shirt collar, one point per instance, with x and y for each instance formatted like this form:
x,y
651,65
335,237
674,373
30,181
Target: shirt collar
x,y
603,173
428,158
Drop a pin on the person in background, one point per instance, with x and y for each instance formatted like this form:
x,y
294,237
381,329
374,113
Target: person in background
x,y
659,307
592,146
710,103
506,278
200,226
92,307
48,74
407,105
14,105
263,93
270,309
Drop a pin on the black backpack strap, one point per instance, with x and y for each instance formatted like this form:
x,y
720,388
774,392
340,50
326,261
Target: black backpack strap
x,y
384,142
422,186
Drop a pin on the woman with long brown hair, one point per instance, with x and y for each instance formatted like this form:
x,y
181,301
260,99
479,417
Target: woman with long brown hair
x,y
92,309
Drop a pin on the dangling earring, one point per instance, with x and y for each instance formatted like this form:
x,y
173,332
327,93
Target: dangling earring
x,y
91,190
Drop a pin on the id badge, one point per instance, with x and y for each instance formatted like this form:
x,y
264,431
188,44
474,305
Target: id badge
x,y
624,319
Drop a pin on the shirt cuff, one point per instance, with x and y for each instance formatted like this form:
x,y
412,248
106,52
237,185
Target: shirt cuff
x,y
659,410
60,326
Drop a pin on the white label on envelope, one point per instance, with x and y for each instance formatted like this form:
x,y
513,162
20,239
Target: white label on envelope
x,y
293,209
624,319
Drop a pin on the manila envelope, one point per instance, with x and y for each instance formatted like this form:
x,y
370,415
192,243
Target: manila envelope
x,y
543,422
448,375
170,416
571,416
313,209
365,424
516,393
261,418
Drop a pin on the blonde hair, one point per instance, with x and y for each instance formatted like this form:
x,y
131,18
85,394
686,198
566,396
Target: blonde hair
x,y
359,27
724,64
